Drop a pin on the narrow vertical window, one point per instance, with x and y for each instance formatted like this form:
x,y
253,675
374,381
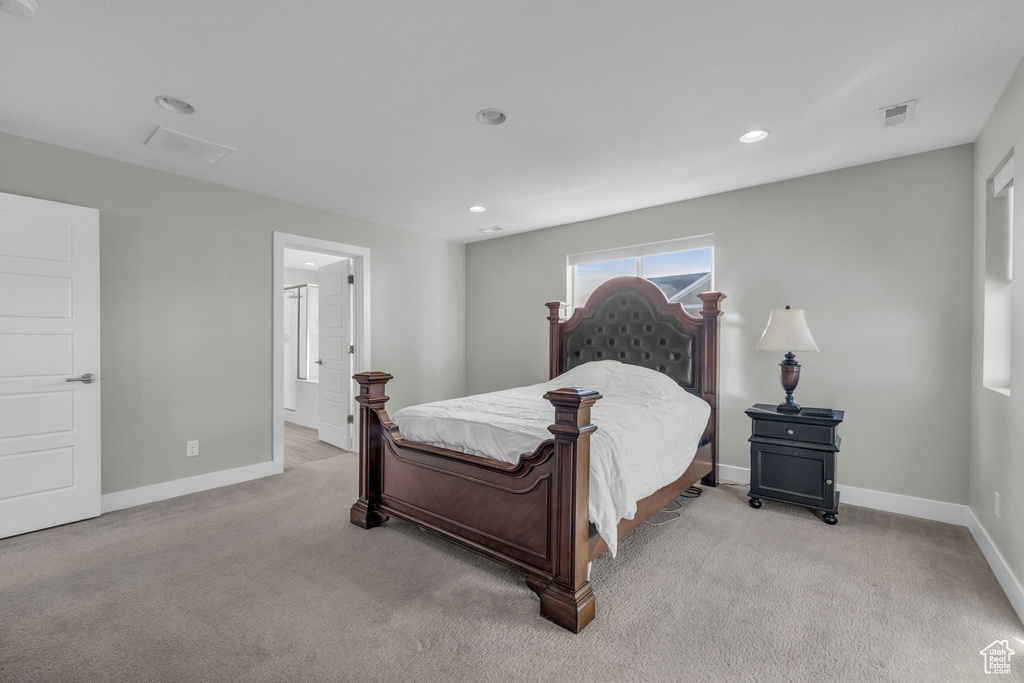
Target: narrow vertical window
x,y
998,310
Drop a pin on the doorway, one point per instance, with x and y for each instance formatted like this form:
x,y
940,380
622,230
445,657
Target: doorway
x,y
321,334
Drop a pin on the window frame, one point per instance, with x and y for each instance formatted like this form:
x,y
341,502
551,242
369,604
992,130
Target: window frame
x,y
637,252
997,296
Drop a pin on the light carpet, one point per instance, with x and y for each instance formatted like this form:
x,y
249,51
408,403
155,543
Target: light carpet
x,y
268,581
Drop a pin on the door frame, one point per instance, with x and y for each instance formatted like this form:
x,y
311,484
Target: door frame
x,y
360,322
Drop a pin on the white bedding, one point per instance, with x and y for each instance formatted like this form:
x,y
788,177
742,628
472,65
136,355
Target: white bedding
x,y
648,430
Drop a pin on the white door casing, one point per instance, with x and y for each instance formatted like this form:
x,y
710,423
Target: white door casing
x,y
361,322
336,386
49,334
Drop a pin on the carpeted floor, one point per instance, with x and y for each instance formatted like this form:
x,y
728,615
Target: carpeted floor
x,y
267,581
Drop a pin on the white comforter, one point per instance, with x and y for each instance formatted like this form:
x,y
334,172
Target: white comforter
x,y
648,430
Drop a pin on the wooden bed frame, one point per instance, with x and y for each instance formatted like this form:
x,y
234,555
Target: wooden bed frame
x,y
533,516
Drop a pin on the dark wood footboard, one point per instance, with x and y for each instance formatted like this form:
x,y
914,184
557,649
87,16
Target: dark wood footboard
x,y
531,516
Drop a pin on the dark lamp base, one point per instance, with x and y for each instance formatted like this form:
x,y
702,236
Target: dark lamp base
x,y
789,373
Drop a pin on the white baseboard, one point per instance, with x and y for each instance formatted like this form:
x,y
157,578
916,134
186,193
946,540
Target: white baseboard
x,y
737,474
1011,586
937,510
120,500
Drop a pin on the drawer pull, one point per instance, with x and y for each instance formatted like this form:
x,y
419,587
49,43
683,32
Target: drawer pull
x,y
790,432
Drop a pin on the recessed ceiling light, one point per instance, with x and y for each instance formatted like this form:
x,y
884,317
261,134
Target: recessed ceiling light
x,y
755,135
477,209
19,8
490,117
493,228
310,263
170,103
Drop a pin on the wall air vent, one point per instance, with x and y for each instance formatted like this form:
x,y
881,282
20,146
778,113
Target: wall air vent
x,y
896,114
186,145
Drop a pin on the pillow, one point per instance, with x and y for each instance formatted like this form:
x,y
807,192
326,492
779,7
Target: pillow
x,y
620,379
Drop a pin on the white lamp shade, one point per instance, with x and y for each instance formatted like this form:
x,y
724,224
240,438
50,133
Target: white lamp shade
x,y
787,331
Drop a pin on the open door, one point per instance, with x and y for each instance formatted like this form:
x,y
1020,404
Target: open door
x,y
49,364
336,387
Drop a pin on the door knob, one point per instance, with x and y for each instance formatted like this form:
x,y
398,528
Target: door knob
x,y
319,362
87,378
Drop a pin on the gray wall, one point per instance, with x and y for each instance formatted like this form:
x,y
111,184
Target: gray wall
x,y
186,308
997,446
879,256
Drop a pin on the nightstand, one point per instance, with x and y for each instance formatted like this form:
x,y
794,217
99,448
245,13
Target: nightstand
x,y
793,458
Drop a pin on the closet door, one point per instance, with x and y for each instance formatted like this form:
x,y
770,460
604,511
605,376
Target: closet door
x,y
49,364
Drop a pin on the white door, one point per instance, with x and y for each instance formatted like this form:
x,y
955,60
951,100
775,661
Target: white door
x,y
49,337
336,387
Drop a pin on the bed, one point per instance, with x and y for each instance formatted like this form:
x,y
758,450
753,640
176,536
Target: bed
x,y
533,512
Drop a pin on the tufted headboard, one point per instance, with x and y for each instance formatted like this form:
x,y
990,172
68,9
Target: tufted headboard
x,y
626,327
628,319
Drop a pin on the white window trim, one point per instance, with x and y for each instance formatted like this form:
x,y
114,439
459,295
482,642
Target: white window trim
x,y
1009,238
1003,178
637,251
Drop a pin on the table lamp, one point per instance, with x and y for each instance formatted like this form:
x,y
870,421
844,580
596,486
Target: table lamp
x,y
787,331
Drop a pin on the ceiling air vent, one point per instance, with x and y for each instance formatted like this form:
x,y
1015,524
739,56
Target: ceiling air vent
x,y
899,113
493,228
20,8
186,145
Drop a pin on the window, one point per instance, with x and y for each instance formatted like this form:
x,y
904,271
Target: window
x,y
998,279
301,334
681,268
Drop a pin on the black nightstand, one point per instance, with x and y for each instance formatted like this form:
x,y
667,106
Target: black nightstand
x,y
793,458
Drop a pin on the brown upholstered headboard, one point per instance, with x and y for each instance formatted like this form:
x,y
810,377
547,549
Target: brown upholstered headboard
x,y
628,319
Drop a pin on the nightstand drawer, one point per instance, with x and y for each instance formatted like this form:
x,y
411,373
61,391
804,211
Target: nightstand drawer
x,y
793,431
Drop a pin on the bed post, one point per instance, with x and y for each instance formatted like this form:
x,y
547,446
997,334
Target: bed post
x,y
569,600
371,398
710,313
555,339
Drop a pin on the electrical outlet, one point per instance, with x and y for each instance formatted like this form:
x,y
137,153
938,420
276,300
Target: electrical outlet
x,y
997,504
191,449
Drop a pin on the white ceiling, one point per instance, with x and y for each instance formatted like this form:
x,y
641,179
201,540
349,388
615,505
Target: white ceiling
x,y
300,260
368,108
